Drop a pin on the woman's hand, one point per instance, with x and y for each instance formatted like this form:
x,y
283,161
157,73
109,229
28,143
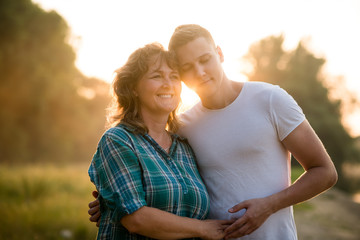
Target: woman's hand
x,y
94,209
214,229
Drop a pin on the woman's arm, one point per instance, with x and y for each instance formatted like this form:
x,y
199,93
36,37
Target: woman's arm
x,y
118,179
155,223
158,224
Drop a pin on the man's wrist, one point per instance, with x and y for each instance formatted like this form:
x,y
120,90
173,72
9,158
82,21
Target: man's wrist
x,y
274,203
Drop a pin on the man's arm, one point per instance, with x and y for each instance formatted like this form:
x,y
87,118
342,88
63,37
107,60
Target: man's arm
x,y
320,174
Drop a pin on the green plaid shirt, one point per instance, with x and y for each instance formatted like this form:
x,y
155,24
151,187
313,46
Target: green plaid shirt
x,y
131,171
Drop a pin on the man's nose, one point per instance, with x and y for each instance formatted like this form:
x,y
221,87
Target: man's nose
x,y
199,71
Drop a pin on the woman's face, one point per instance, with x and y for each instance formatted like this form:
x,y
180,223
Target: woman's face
x,y
159,89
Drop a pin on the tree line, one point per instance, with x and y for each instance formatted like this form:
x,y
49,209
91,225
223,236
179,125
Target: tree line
x,y
44,116
51,112
298,71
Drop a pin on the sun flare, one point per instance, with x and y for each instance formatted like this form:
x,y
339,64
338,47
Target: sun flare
x,y
188,98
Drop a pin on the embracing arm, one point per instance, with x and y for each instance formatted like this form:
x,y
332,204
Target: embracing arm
x,y
320,174
158,224
155,223
94,209
117,174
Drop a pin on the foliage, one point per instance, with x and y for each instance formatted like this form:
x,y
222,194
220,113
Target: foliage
x,y
298,72
42,116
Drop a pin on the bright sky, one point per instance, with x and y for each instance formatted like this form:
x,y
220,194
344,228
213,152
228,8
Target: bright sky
x,y
105,32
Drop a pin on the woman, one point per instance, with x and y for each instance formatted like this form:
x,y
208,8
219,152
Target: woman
x,y
146,175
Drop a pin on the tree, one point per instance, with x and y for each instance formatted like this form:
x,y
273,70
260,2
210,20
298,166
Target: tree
x,y
298,72
42,116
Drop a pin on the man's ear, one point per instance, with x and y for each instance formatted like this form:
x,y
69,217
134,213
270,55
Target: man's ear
x,y
220,53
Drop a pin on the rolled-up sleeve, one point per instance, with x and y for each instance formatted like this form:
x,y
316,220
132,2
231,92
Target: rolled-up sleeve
x,y
117,175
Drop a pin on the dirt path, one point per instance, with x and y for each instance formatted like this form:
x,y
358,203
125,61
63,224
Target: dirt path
x,y
330,216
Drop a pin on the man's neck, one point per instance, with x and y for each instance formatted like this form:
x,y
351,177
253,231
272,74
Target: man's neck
x,y
227,94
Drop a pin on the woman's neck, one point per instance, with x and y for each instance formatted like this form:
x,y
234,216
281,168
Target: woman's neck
x,y
156,125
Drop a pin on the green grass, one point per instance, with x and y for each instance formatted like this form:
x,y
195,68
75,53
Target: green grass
x,y
45,202
296,172
49,202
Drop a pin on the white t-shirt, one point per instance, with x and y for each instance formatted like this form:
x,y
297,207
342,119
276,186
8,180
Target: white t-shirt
x,y
240,154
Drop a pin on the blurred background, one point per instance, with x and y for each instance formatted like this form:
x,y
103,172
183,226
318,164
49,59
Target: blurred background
x,y
57,58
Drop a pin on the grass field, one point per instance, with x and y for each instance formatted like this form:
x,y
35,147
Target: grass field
x,y
45,202
49,202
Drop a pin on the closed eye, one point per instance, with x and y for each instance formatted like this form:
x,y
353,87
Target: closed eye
x,y
205,58
186,68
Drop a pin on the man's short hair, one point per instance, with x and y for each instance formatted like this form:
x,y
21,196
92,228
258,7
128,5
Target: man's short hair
x,y
184,34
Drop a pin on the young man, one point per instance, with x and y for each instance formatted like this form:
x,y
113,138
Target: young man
x,y
243,135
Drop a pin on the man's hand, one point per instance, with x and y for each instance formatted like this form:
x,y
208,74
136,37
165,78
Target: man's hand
x,y
94,209
257,211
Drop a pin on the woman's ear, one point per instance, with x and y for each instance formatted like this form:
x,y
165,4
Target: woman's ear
x,y
135,93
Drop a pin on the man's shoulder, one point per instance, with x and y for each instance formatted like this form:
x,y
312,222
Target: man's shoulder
x,y
261,86
262,91
191,113
270,92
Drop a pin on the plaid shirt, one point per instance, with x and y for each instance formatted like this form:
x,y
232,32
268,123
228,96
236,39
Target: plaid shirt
x,y
131,171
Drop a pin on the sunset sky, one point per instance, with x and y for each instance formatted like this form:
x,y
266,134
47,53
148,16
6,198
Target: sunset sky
x,y
105,32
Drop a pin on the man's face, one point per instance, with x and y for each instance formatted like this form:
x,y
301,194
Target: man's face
x,y
200,66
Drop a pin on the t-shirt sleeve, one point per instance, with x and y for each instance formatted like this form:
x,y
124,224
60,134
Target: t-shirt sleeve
x,y
117,175
285,112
